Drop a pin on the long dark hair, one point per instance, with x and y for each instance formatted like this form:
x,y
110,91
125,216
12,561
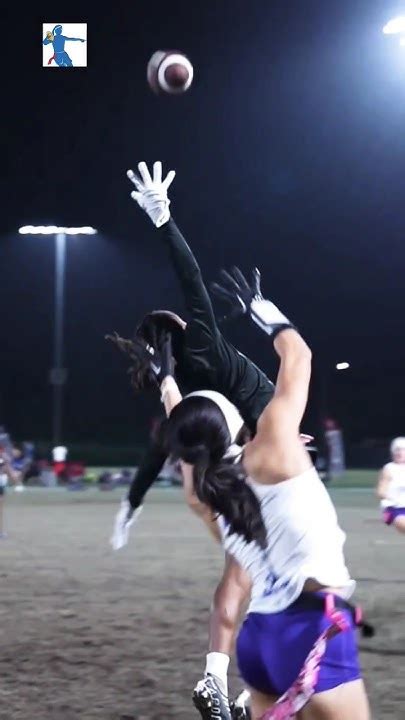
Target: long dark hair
x,y
197,433
148,333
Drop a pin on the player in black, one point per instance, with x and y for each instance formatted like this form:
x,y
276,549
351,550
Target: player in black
x,y
204,359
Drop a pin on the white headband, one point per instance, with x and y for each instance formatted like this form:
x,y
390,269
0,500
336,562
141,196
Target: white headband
x,y
232,416
398,444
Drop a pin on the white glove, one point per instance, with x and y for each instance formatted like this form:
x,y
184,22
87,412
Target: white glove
x,y
124,518
151,194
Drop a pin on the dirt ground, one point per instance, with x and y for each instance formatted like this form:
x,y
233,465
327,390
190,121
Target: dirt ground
x,y
86,633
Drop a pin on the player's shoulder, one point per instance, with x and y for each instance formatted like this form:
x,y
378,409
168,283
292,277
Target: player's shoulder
x,y
388,467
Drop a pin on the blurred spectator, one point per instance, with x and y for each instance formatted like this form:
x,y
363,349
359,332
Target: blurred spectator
x,y
59,455
336,451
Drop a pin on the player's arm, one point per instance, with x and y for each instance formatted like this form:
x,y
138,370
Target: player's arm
x,y
46,41
279,422
149,469
74,39
131,506
383,483
151,196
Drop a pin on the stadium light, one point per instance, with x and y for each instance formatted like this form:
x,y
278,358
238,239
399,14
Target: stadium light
x,y
342,366
54,229
396,26
58,373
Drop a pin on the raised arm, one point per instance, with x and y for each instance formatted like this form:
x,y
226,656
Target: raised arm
x,y
278,425
151,196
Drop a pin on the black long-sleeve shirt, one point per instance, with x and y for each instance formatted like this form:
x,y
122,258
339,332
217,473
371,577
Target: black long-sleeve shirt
x,y
209,361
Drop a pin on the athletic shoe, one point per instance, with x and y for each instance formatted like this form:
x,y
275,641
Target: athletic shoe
x,y
209,700
240,708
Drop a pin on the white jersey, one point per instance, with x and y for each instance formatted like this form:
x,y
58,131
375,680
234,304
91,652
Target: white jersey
x,y
304,541
396,488
59,453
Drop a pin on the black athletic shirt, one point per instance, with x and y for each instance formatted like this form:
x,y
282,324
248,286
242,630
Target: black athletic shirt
x,y
209,362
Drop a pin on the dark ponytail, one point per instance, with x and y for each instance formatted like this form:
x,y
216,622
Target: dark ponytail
x,y
197,433
223,487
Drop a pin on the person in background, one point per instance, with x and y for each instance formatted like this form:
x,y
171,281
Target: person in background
x,y
59,455
391,487
7,475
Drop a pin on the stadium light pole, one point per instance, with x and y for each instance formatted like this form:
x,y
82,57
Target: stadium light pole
x,y
58,373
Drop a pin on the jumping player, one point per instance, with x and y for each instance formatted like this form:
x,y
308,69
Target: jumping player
x,y
204,358
284,544
391,487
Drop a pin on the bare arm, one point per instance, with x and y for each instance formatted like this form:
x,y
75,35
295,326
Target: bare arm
x,y
383,484
277,451
230,597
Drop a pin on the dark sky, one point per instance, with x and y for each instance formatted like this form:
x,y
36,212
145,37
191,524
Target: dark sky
x,y
290,154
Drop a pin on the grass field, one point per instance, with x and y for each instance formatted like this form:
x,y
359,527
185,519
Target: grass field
x,y
89,634
351,479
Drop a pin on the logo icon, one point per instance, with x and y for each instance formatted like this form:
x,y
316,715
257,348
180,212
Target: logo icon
x,y
64,45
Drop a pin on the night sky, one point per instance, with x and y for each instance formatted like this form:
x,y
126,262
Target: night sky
x,y
290,155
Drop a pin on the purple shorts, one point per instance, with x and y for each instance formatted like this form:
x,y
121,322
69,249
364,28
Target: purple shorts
x,y
272,648
391,513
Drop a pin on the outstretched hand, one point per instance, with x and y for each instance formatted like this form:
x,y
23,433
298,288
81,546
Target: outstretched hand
x,y
151,191
236,290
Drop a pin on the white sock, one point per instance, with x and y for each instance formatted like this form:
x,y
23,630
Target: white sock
x,y
217,664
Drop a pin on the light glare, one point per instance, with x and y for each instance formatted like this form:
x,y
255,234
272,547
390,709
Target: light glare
x,y
342,366
53,230
395,26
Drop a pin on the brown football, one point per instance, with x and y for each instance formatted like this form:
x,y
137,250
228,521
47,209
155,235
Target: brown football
x,y
169,71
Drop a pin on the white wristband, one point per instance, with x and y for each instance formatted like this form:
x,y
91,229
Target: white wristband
x,y
267,315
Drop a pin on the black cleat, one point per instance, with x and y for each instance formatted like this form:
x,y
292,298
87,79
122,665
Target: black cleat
x,y
211,703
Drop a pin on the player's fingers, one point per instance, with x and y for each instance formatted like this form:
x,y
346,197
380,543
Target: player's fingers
x,y
137,196
229,280
134,179
256,278
157,172
306,438
240,278
145,174
169,179
221,292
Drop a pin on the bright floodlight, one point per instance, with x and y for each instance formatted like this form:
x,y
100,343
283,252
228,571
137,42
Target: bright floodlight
x,y
342,366
396,26
54,230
